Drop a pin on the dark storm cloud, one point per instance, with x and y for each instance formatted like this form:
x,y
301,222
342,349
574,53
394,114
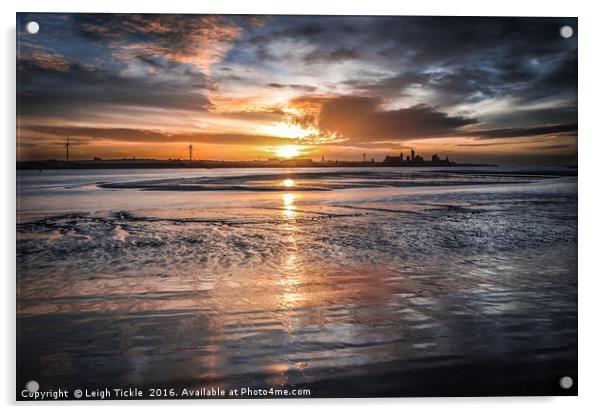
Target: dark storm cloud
x,y
524,132
67,91
459,40
154,136
554,115
337,55
390,85
358,117
306,88
429,40
559,81
364,119
288,27
460,60
495,144
308,29
556,146
470,83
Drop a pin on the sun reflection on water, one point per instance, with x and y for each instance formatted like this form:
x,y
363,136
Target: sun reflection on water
x,y
288,200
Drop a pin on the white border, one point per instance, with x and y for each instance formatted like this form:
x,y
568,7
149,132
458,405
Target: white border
x,y
590,151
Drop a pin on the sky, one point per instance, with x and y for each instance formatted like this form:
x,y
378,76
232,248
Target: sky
x,y
494,90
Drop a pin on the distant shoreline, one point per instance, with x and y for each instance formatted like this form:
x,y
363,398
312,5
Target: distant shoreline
x,y
208,164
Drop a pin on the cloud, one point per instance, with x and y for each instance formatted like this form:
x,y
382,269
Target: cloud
x,y
39,60
556,146
66,93
360,118
154,136
363,119
437,61
540,116
339,54
364,80
269,114
290,27
307,29
295,86
524,132
390,85
198,40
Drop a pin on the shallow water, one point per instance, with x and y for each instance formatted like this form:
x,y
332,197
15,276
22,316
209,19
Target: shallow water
x,y
320,278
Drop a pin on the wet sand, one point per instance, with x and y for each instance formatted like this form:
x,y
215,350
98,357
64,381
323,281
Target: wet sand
x,y
380,290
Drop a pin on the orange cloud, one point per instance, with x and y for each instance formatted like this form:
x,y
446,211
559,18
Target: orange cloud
x,y
42,59
200,41
154,136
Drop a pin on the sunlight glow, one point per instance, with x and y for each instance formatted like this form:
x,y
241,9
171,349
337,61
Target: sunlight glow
x,y
288,151
287,130
289,182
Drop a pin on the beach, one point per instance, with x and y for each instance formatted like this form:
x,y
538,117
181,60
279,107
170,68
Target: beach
x,y
344,281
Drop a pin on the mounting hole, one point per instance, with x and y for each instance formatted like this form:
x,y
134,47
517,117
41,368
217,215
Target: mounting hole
x,y
32,386
566,382
566,32
32,27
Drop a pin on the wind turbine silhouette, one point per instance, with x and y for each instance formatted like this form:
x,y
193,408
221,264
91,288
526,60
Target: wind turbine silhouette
x,y
67,146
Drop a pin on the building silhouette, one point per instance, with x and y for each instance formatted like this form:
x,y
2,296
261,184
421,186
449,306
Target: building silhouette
x,y
415,160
